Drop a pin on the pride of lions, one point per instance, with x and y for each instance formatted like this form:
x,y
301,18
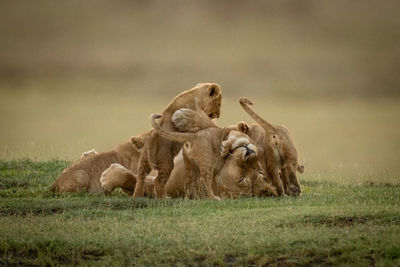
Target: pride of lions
x,y
187,155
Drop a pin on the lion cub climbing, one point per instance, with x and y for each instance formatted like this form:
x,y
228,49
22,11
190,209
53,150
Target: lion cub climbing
x,y
158,152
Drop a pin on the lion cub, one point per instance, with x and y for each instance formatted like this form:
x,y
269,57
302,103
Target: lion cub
x,y
280,154
158,152
84,174
204,151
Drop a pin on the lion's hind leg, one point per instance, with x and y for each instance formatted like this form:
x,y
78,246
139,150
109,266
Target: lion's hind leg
x,y
206,177
277,182
118,176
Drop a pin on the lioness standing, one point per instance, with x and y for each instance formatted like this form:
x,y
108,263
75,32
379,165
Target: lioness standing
x,y
158,153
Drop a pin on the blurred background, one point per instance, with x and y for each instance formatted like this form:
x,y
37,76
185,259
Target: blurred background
x,y
77,75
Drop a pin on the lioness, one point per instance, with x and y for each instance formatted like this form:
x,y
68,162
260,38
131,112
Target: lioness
x,y
158,153
84,175
280,154
201,152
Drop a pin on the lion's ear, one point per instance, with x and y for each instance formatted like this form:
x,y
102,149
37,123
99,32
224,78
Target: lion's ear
x,y
137,143
225,148
242,127
300,168
199,85
214,90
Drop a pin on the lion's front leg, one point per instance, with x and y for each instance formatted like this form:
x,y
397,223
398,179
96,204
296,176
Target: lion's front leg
x,y
143,170
164,171
189,179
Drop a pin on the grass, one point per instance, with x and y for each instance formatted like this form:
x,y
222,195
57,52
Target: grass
x,y
329,224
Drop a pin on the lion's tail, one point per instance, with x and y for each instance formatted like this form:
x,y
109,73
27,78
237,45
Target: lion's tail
x,y
244,102
172,136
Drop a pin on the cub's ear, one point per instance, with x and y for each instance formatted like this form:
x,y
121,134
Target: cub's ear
x,y
225,148
300,168
214,90
137,143
242,127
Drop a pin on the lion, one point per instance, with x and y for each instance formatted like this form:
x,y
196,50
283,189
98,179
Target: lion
x,y
234,169
233,180
278,150
158,152
84,175
202,155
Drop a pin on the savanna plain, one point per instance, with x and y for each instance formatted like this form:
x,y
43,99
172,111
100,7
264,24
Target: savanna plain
x,y
91,81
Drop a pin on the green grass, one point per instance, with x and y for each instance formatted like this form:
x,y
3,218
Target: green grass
x,y
330,223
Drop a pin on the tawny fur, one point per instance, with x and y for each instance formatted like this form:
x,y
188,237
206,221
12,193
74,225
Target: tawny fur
x,y
84,175
202,154
233,169
119,176
232,181
89,153
158,153
278,152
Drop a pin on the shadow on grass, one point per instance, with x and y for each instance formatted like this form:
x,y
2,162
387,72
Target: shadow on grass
x,y
42,207
49,252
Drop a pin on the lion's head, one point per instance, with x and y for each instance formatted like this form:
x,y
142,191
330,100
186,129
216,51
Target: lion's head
x,y
211,100
241,174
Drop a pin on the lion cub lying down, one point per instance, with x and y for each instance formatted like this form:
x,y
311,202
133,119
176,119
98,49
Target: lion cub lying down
x,y
278,152
205,150
84,175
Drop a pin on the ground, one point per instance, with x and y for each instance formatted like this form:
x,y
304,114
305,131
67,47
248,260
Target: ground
x,y
329,224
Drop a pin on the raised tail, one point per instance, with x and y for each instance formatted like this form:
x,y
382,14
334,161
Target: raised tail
x,y
172,136
244,102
